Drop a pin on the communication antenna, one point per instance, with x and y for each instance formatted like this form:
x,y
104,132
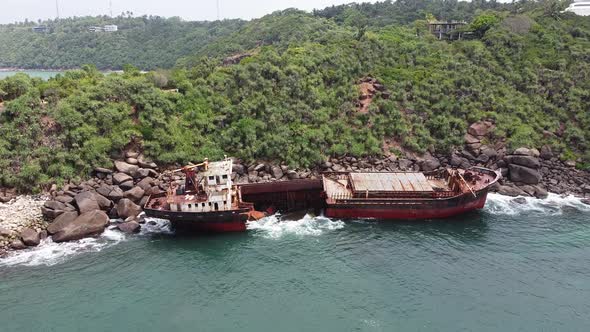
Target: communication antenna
x,y
218,10
111,7
57,7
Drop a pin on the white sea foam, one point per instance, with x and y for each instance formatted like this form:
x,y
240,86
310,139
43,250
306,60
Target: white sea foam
x,y
552,205
50,253
274,227
156,226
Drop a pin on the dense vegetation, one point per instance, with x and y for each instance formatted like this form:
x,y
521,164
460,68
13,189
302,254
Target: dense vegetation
x,y
527,68
145,42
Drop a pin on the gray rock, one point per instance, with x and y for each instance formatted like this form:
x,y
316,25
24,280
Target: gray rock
x,y
430,164
482,158
470,139
480,128
132,161
586,201
519,200
116,194
17,245
238,168
119,178
61,221
142,173
541,192
5,232
259,167
129,227
131,154
30,237
126,208
524,174
104,203
522,160
523,152
50,214
546,152
126,185
53,205
64,199
292,175
134,194
405,164
87,224
489,151
146,183
86,202
104,190
147,164
126,168
510,191
103,170
277,172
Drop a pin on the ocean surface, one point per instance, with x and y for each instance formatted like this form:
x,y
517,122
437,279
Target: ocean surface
x,y
509,267
33,73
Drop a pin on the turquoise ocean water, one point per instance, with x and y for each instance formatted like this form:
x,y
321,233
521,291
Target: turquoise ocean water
x,y
510,267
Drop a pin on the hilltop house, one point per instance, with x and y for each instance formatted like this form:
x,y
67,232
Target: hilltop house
x,y
447,29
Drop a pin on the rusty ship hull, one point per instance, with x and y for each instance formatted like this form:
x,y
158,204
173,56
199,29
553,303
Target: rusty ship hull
x,y
413,198
207,222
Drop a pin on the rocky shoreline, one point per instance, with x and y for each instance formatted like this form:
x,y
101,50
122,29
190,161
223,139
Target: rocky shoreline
x,y
114,197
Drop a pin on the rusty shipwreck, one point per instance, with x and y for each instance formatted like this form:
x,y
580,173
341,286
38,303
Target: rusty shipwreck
x,y
210,201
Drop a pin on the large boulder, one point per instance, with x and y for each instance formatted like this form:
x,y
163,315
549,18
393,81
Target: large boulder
x,y
135,194
546,152
430,164
116,194
523,152
30,237
52,209
146,183
61,222
523,160
119,178
470,139
17,245
238,168
86,202
87,224
126,168
147,164
277,172
129,227
480,128
524,174
104,190
126,208
64,199
510,191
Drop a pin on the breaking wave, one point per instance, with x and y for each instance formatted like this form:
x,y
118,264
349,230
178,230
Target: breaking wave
x,y
274,227
51,253
554,204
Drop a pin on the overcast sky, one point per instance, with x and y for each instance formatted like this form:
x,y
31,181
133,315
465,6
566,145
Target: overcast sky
x,y
19,10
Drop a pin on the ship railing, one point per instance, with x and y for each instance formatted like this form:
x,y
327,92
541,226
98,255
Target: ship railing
x,y
404,195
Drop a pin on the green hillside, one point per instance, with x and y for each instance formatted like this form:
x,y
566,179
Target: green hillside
x,y
295,98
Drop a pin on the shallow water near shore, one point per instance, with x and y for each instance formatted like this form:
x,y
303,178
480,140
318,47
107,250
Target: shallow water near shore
x,y
509,267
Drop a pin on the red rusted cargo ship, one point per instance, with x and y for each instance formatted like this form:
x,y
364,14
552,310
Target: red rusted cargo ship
x,y
406,195
207,202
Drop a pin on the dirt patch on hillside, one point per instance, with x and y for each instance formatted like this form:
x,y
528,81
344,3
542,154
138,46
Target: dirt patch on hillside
x,y
369,87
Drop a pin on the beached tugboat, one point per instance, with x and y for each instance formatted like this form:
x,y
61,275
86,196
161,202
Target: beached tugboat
x,y
407,195
208,201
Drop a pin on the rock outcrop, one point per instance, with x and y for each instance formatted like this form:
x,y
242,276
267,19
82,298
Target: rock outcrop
x,y
87,224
